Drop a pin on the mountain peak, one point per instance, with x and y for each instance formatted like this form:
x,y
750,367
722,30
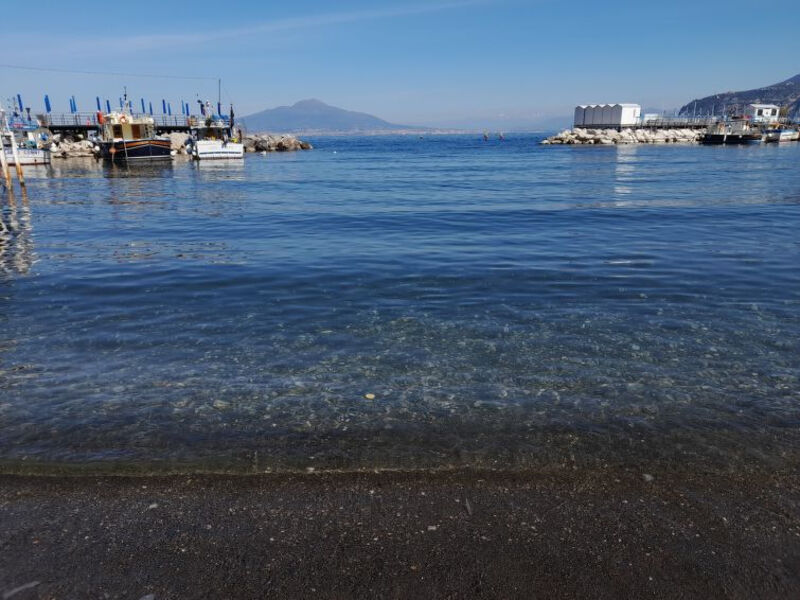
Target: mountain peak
x,y
310,103
784,94
795,79
314,115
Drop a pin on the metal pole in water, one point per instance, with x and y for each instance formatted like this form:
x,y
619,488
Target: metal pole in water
x,y
3,160
14,151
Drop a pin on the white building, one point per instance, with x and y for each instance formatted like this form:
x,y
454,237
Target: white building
x,y
762,113
607,115
580,115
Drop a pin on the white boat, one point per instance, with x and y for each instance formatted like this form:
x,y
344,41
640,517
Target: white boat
x,y
782,135
32,142
28,156
212,139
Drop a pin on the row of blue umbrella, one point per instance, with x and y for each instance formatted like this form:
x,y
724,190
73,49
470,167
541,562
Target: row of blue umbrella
x,y
166,107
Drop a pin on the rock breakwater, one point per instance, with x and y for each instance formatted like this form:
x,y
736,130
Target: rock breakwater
x,y
79,146
274,143
609,137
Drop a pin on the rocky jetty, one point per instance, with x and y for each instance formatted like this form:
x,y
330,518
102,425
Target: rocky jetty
x,y
626,136
274,143
77,145
72,146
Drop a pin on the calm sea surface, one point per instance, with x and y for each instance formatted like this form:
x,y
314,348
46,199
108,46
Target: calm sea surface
x,y
405,302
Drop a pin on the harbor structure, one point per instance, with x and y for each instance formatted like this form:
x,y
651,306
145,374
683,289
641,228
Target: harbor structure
x,y
607,115
762,113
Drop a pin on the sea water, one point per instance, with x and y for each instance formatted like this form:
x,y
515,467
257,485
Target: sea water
x,y
405,302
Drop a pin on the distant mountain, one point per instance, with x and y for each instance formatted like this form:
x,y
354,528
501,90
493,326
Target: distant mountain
x,y
313,115
785,93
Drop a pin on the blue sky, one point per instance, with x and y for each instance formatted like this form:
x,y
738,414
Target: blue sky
x,y
434,62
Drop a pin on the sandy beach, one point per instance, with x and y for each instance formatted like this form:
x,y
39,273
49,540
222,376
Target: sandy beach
x,y
615,533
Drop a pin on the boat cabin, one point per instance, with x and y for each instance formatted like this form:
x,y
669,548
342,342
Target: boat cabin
x,y
213,127
124,126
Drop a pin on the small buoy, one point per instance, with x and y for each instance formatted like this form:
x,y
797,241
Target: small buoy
x,y
263,153
369,396
334,152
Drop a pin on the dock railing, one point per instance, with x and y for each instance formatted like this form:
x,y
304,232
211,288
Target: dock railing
x,y
89,120
657,123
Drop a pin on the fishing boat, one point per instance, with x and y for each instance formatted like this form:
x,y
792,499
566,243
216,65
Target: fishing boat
x,y
738,131
213,138
31,140
781,134
126,137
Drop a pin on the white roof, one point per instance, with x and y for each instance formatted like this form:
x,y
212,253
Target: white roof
x,y
622,104
765,106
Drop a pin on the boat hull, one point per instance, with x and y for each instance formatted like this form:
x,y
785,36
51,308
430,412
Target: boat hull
x,y
144,150
216,150
730,138
782,135
28,156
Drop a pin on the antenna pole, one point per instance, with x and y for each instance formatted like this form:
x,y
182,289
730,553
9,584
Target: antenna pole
x,y
219,90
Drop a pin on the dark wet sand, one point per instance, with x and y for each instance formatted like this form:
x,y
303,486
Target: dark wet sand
x,y
566,534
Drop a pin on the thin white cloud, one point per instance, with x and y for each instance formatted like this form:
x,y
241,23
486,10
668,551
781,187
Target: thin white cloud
x,y
154,41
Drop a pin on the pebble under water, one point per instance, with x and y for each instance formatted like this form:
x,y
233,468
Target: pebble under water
x,y
395,302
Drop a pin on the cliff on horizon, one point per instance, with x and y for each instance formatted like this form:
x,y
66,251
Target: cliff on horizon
x,y
314,115
786,93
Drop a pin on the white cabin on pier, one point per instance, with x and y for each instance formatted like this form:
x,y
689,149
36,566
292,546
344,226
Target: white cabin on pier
x,y
762,113
607,115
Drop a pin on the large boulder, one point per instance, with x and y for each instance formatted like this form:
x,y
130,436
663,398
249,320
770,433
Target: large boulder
x,y
274,143
177,141
73,148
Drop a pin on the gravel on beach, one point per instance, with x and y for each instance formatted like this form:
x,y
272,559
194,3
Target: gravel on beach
x,y
612,533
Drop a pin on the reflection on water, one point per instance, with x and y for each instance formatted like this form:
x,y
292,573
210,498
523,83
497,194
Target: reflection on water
x,y
404,303
625,171
16,239
220,170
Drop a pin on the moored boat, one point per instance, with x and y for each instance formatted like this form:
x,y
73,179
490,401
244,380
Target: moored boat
x,y
126,137
738,131
31,140
213,138
782,134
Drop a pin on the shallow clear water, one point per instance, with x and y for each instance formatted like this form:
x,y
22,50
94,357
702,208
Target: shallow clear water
x,y
506,303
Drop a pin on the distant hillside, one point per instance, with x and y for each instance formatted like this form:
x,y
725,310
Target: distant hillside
x,y
313,115
786,93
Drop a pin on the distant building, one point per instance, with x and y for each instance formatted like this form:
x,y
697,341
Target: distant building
x,y
607,115
762,113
